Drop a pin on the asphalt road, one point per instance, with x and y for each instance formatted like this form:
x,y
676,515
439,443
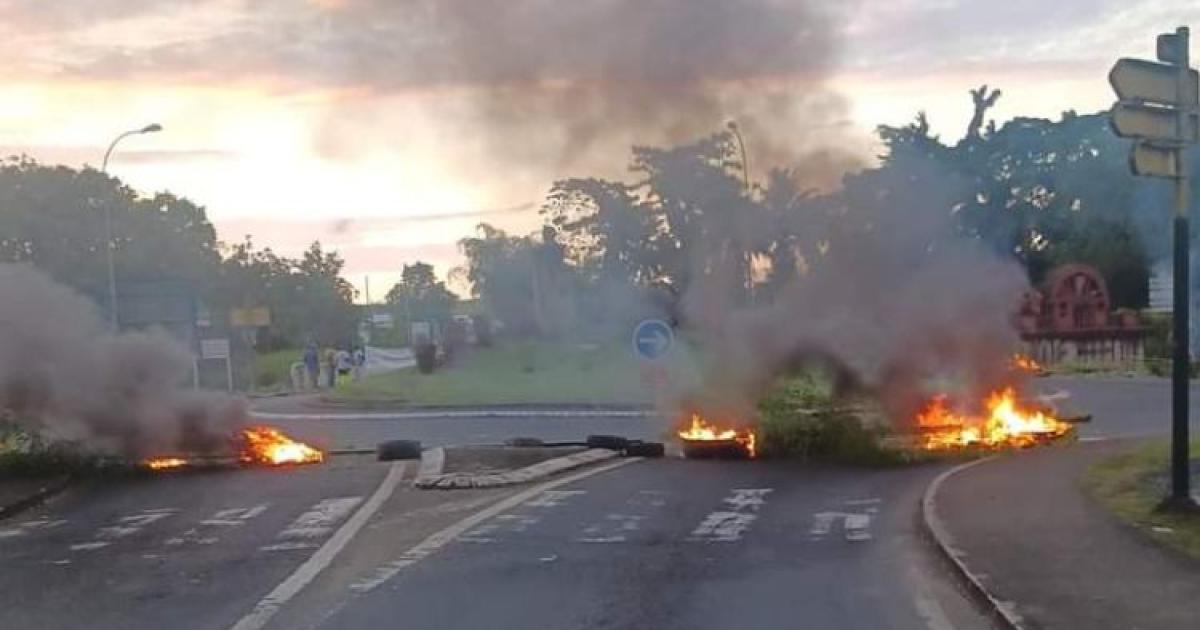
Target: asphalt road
x,y
1122,407
682,544
665,543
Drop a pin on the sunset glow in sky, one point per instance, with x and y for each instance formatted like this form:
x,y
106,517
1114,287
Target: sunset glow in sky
x,y
388,129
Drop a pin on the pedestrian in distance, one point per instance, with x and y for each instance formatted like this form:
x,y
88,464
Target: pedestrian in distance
x,y
330,366
345,365
312,364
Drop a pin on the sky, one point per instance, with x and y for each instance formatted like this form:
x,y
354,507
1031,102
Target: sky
x,y
387,129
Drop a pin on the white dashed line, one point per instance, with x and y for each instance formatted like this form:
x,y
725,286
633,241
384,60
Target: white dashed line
x,y
439,539
280,595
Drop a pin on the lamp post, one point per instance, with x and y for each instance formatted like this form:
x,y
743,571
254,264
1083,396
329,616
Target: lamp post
x,y
108,228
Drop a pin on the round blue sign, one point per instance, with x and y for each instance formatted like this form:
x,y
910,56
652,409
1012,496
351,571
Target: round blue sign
x,y
652,338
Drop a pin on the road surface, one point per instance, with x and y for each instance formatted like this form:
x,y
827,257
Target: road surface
x,y
663,543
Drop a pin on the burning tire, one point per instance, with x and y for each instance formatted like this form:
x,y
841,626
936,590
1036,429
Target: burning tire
x,y
398,449
611,442
638,448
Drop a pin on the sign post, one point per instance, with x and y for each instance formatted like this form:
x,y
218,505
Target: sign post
x,y
1158,105
652,339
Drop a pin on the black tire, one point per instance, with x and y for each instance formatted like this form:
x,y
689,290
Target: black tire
x,y
638,448
524,442
398,449
611,442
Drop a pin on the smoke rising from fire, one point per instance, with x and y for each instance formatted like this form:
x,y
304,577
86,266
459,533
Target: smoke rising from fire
x,y
892,302
65,377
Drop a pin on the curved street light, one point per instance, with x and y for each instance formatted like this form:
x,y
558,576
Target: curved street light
x,y
108,231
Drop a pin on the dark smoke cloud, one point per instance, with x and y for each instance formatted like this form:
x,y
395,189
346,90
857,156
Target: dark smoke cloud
x,y
63,375
526,78
898,306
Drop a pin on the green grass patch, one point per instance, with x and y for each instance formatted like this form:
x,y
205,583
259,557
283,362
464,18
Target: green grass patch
x,y
514,372
272,370
801,420
1131,485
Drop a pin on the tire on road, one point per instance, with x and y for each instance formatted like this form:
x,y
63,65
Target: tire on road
x,y
638,448
398,449
611,442
524,442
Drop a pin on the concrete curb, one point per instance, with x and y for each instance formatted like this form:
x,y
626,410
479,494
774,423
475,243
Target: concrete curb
x,y
42,494
1003,612
455,481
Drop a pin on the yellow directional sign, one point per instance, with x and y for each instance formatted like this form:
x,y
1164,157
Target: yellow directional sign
x,y
1153,161
1140,80
1131,120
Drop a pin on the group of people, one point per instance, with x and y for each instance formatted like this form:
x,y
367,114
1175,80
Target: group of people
x,y
331,367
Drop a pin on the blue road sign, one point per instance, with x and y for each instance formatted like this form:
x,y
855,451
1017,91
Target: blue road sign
x,y
652,338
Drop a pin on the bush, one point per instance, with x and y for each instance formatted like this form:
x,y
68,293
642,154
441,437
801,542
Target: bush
x,y
426,354
799,420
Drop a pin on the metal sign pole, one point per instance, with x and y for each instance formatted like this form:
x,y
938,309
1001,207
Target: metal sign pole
x,y
1181,369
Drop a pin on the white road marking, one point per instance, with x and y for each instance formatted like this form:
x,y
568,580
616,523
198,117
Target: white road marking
x,y
872,501
28,526
857,527
439,539
822,523
288,546
230,517
553,498
743,498
286,590
729,525
129,525
320,519
722,527
89,546
612,529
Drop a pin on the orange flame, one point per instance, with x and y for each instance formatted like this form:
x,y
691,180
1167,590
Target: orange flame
x,y
1006,423
267,445
164,463
702,431
1025,363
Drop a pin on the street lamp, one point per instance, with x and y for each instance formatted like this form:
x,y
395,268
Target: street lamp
x,y
108,231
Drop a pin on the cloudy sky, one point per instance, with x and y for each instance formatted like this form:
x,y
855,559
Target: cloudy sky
x,y
388,128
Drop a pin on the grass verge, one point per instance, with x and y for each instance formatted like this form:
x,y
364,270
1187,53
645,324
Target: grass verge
x,y
272,370
1132,484
800,420
513,372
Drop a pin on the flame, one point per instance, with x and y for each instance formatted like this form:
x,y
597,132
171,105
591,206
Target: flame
x,y
1025,363
268,445
702,431
164,463
1006,423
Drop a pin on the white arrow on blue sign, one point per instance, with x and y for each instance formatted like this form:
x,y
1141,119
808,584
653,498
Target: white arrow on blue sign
x,y
652,338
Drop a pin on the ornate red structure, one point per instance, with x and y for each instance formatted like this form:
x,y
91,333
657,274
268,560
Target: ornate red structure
x,y
1071,318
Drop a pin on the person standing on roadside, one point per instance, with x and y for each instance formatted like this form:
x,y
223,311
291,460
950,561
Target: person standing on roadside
x,y
330,367
312,364
345,364
360,363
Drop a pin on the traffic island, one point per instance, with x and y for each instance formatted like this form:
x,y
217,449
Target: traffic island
x,y
492,466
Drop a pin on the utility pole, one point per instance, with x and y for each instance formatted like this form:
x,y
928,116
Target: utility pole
x,y
1158,106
